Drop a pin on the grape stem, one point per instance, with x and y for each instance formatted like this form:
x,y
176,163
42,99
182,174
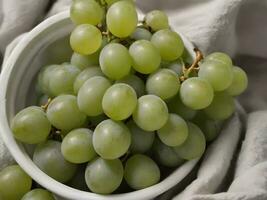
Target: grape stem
x,y
44,107
194,66
142,24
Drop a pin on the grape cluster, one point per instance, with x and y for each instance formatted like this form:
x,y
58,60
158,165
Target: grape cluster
x,y
128,102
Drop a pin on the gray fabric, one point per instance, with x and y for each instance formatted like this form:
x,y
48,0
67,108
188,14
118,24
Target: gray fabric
x,y
232,169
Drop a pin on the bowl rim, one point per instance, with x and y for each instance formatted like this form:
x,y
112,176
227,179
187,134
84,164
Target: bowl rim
x,y
40,177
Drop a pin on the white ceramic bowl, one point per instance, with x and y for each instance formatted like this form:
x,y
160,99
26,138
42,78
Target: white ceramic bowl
x,y
16,92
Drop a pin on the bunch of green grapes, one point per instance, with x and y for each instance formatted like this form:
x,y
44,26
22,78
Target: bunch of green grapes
x,y
128,102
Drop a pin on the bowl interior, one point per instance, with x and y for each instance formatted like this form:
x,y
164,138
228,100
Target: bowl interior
x,y
47,44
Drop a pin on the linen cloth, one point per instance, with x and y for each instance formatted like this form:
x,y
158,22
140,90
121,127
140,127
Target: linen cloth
x,y
234,166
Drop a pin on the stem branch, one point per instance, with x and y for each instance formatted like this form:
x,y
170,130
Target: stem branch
x,y
194,66
44,107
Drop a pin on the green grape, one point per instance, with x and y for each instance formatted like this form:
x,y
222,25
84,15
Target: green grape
x,y
85,39
86,12
175,105
166,155
91,94
194,146
111,139
14,183
122,19
196,93
97,119
210,128
146,58
221,57
218,74
44,77
163,83
141,140
84,76
38,194
177,67
135,82
115,61
47,156
151,113
64,114
119,101
141,34
157,20
104,176
62,79
31,125
221,108
77,146
240,82
169,43
84,61
174,132
141,172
